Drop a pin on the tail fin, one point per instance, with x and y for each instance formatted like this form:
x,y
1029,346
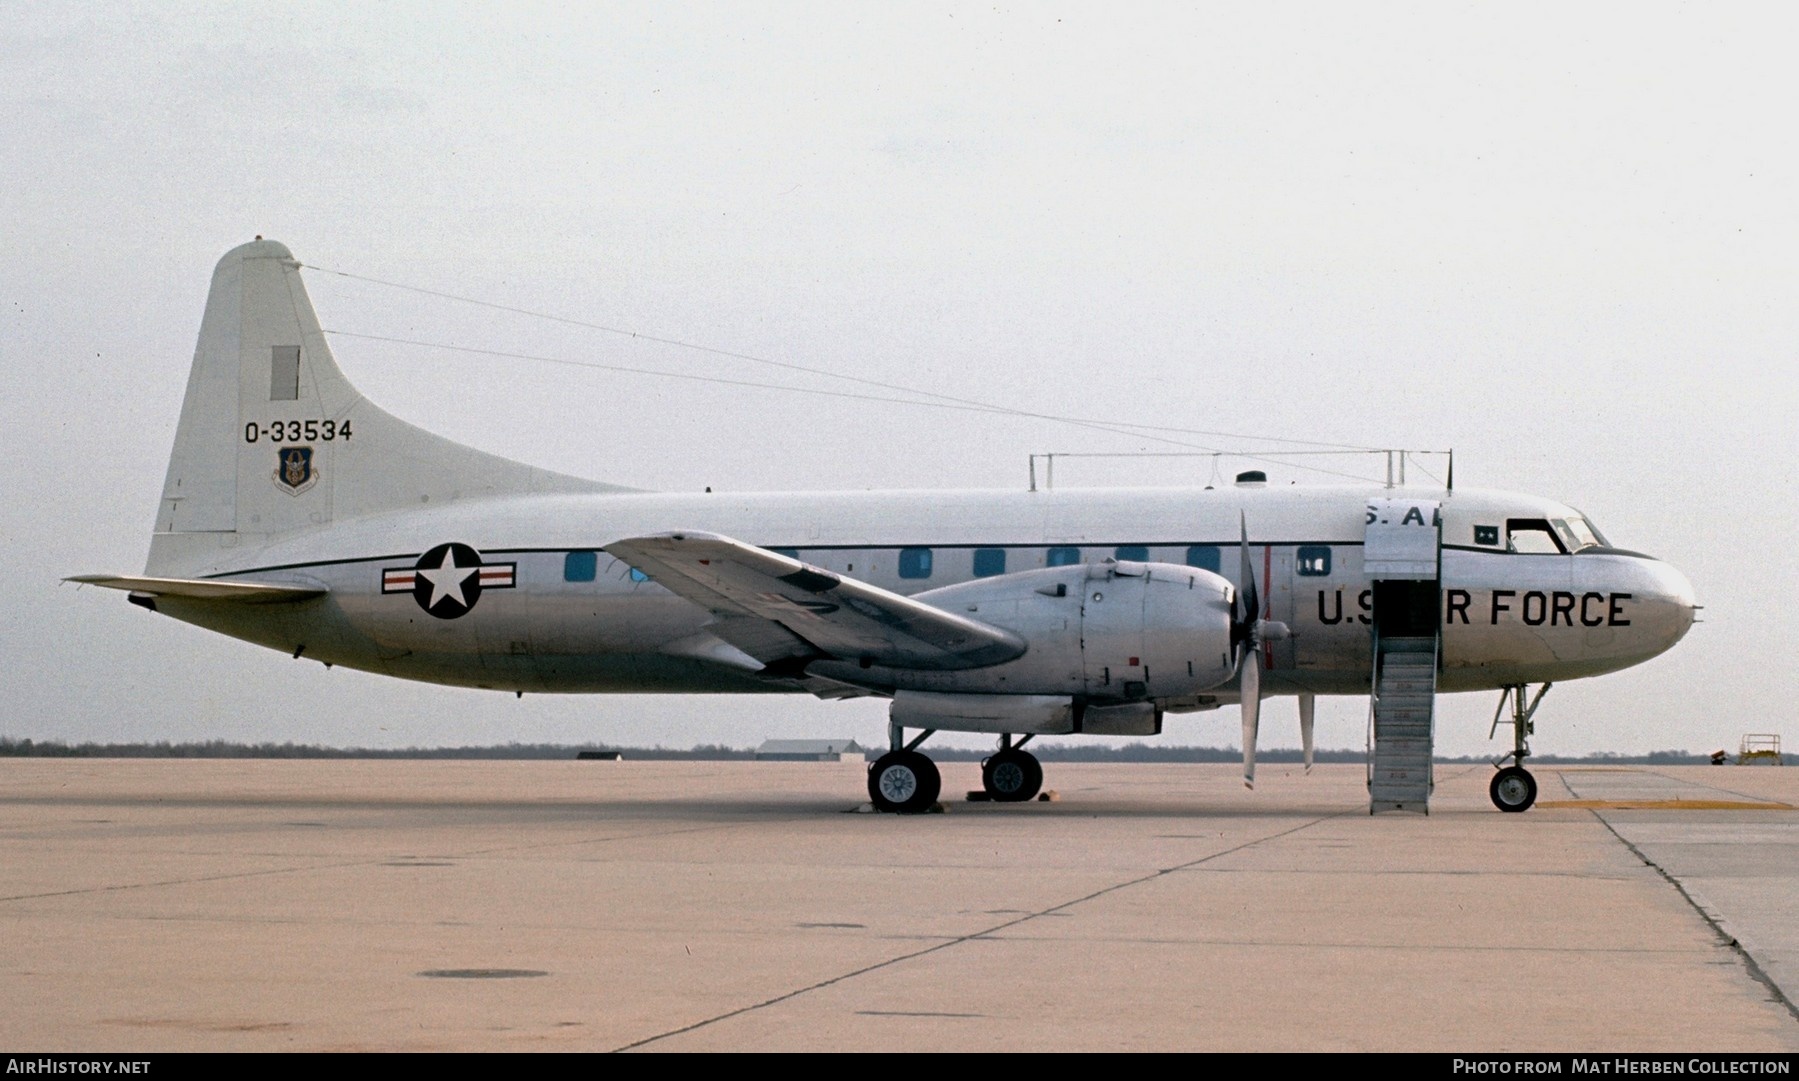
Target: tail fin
x,y
273,438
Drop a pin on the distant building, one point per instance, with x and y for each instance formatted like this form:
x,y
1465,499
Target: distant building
x,y
811,750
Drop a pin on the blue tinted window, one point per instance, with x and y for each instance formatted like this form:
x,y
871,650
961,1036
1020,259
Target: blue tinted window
x,y
1205,557
915,563
1062,557
790,553
1314,560
638,576
1134,552
989,562
580,566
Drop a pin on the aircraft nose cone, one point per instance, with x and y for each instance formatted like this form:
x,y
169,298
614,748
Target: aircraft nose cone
x,y
1650,606
1669,607
1680,598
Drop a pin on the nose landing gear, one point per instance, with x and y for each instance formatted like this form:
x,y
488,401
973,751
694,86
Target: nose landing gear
x,y
1513,788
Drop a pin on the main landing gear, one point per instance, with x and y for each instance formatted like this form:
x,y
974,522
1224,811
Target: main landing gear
x,y
1513,788
903,781
1012,775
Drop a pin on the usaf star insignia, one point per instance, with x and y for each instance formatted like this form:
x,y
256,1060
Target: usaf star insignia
x,y
448,580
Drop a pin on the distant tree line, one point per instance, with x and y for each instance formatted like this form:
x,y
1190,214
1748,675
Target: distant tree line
x,y
1052,752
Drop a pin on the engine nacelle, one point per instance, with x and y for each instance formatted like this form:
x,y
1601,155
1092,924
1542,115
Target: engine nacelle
x,y
1105,632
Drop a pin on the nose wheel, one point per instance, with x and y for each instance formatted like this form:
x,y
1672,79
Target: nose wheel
x,y
1513,789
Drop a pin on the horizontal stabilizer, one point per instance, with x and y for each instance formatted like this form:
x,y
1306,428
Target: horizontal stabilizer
x,y
202,589
778,609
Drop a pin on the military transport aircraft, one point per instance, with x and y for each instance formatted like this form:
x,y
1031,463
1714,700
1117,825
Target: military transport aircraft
x,y
298,515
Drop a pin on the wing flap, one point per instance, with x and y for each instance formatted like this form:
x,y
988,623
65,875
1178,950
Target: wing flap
x,y
778,609
713,648
202,589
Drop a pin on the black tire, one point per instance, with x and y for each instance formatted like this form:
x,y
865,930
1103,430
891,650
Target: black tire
x,y
1513,789
903,782
1012,776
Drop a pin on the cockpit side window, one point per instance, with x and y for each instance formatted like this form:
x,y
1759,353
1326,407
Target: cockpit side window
x,y
1533,536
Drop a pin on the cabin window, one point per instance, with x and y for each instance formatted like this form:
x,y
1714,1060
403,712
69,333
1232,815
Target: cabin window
x,y
915,563
1136,553
790,553
1062,557
1313,561
580,566
989,562
638,576
1205,556
284,373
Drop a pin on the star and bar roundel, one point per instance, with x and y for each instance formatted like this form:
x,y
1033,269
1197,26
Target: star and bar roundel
x,y
448,579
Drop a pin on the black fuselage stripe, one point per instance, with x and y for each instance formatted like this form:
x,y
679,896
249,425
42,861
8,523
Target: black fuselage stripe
x,y
413,556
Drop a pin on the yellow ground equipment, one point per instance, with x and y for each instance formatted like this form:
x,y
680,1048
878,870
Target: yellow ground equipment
x,y
1759,747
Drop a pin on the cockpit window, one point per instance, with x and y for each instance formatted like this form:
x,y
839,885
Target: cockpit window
x,y
1575,534
1533,536
1587,533
1552,536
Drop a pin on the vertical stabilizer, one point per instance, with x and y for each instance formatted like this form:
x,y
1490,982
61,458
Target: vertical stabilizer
x,y
274,439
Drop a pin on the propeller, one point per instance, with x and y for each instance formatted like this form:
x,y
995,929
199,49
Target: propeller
x,y
1248,631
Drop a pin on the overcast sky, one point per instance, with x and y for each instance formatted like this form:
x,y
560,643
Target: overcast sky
x,y
1558,238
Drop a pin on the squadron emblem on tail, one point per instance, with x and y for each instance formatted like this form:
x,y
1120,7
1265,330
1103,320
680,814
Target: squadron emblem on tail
x,y
294,473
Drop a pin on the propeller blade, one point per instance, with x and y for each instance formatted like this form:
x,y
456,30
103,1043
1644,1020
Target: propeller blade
x,y
1246,588
1246,641
1249,692
1307,706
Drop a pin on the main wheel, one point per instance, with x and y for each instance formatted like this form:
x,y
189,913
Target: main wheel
x,y
1012,776
905,782
1513,789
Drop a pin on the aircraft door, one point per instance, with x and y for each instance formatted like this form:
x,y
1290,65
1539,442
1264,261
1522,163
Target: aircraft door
x,y
1404,539
1275,569
1401,556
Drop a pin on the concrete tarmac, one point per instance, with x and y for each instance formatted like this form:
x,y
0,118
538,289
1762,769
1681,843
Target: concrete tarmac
x,y
156,905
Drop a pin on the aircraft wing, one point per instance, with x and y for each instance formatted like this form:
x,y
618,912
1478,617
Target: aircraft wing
x,y
201,589
784,612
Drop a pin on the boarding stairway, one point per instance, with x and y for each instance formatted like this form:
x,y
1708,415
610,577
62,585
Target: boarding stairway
x,y
1402,717
1402,557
